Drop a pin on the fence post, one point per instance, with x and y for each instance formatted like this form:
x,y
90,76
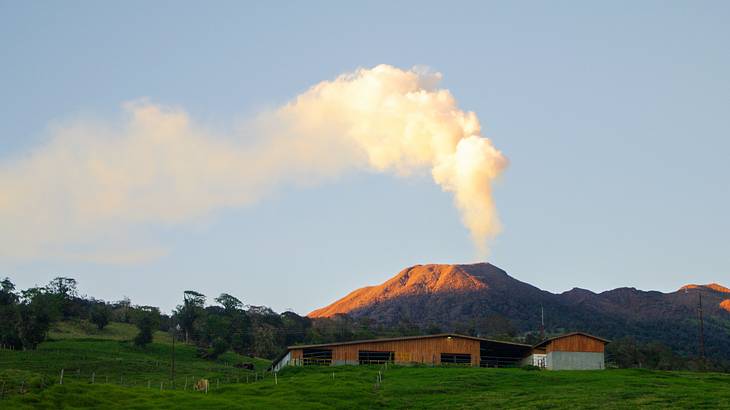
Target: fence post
x,y
161,384
276,379
186,383
61,381
93,376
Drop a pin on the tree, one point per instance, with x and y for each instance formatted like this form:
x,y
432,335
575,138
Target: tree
x,y
432,329
122,309
220,346
190,311
100,314
295,327
264,340
37,310
194,298
7,292
532,338
229,303
64,289
63,286
496,326
215,324
147,320
9,315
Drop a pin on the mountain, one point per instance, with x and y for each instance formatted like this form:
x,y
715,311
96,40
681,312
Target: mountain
x,y
482,298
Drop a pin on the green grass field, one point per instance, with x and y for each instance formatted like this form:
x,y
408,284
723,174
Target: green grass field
x,y
122,374
86,354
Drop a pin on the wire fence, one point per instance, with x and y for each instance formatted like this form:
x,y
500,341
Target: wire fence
x,y
150,374
34,370
193,383
26,382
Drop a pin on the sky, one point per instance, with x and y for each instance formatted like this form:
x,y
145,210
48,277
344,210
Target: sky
x,y
613,117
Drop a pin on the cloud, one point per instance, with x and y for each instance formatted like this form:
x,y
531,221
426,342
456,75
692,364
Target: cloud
x,y
93,184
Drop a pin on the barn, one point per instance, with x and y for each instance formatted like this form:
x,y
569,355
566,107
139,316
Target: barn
x,y
447,348
572,351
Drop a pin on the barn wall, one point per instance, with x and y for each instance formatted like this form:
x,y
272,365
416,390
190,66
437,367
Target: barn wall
x,y
576,343
427,350
575,361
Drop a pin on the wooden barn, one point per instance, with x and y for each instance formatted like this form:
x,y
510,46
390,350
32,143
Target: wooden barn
x,y
572,351
440,349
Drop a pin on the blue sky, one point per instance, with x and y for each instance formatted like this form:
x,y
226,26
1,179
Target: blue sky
x,y
614,118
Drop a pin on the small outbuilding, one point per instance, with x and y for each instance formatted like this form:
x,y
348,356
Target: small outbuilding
x,y
572,351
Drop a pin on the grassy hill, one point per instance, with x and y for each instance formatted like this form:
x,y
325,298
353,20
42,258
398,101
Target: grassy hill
x,y
109,357
125,376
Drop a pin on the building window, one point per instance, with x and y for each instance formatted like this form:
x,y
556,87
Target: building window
x,y
373,357
321,357
455,358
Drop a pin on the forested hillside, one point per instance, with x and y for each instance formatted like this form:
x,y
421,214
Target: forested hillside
x,y
214,326
482,299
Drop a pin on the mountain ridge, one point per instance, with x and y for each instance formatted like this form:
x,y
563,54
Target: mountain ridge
x,y
468,296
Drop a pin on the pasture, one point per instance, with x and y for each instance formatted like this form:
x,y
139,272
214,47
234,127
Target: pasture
x,y
106,371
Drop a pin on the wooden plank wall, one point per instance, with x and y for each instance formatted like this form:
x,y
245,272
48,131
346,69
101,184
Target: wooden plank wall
x,y
296,354
576,343
412,351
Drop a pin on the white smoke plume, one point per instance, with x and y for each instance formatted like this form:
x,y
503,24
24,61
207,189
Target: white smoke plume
x,y
83,192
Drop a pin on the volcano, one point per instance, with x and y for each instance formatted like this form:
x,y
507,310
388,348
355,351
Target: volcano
x,y
483,299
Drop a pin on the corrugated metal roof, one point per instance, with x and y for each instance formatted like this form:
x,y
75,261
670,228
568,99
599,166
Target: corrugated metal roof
x,y
395,339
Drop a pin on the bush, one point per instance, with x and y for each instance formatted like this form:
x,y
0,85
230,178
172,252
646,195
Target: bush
x,y
219,347
147,320
100,314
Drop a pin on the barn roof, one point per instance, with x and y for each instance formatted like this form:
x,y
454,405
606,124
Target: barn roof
x,y
546,341
395,339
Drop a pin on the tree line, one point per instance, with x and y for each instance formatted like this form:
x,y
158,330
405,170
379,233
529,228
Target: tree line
x,y
227,323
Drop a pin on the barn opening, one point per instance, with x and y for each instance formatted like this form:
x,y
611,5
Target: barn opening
x,y
455,358
501,354
317,356
375,357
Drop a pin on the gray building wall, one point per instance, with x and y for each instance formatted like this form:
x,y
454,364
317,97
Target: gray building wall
x,y
575,361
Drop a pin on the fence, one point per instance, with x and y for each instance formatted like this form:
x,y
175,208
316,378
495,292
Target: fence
x,y
21,385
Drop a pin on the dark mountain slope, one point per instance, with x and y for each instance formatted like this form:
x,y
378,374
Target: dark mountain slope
x,y
470,296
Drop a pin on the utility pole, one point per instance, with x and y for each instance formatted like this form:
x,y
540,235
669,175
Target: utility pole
x,y
542,323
